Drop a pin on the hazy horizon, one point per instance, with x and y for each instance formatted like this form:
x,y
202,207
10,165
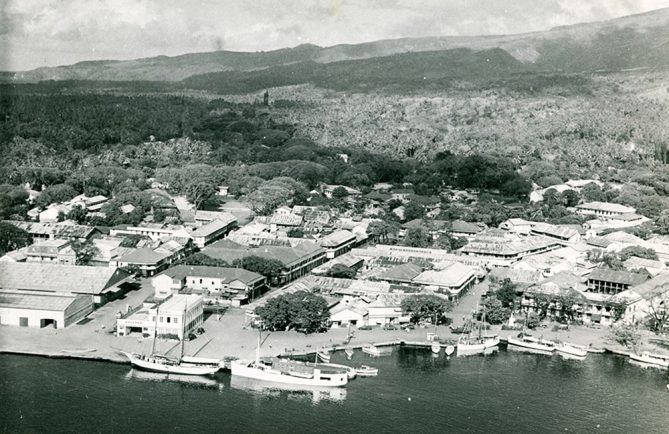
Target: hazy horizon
x,y
36,33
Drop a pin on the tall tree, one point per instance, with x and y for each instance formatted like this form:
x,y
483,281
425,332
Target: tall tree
x,y
12,238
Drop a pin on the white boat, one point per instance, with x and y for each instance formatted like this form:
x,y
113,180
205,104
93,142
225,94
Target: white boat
x,y
371,350
350,371
323,355
450,349
159,363
182,366
275,370
289,372
349,353
573,350
435,347
490,341
468,347
648,358
367,371
532,343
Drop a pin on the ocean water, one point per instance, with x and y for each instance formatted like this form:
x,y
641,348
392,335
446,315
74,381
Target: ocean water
x,y
506,392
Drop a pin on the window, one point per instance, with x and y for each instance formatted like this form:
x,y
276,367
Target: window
x,y
169,319
23,321
200,280
176,320
161,319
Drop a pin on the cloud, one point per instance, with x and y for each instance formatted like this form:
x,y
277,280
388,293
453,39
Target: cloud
x,y
51,32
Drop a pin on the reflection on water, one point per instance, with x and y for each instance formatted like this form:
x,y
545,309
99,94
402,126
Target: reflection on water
x,y
646,365
195,380
289,391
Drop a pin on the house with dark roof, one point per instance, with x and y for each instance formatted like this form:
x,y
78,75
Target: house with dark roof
x,y
50,231
611,282
233,284
51,251
149,260
297,259
103,284
213,230
400,274
461,228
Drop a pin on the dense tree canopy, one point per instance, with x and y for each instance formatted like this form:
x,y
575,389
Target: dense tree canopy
x,y
426,307
301,311
12,238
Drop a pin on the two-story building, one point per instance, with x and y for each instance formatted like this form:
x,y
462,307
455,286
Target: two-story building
x,y
235,284
52,251
337,243
174,317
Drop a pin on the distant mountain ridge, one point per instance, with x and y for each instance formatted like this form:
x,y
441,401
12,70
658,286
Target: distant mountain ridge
x,y
636,41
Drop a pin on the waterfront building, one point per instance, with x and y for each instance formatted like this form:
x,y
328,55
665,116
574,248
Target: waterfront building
x,y
165,318
453,280
347,312
32,309
648,298
103,284
234,284
386,309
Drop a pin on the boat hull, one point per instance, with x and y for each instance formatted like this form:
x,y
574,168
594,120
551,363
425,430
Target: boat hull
x,y
530,345
181,369
649,360
469,349
246,370
491,342
372,351
570,350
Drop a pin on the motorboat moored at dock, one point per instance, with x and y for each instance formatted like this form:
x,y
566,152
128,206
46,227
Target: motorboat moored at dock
x,y
525,341
371,350
571,350
648,358
367,371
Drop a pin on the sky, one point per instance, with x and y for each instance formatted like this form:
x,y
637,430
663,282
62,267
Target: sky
x,y
36,33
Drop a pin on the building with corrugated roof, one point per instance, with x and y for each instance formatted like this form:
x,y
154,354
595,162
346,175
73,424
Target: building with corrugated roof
x,y
31,309
611,282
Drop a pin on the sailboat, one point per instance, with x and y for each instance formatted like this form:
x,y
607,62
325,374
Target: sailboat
x,y
275,370
489,341
468,345
162,363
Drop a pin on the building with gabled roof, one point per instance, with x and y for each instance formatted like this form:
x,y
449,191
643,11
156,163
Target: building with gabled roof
x,y
338,242
31,309
233,284
52,251
213,230
50,231
349,312
611,282
101,283
452,280
400,274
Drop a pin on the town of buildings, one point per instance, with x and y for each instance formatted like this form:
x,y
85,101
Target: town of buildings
x,y
43,284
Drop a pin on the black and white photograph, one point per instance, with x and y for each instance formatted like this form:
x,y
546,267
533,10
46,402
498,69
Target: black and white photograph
x,y
334,216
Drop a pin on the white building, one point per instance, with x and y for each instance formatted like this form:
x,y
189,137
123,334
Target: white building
x,y
29,309
348,312
604,209
176,316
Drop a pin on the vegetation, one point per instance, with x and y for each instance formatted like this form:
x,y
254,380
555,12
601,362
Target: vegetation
x,y
341,271
13,238
301,311
625,334
424,307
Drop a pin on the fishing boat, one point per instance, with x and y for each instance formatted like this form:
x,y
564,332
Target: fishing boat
x,y
323,355
525,341
349,353
489,341
275,370
169,365
371,350
367,371
450,349
649,358
435,347
573,350
469,345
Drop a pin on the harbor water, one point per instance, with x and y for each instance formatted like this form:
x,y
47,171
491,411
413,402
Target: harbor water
x,y
414,392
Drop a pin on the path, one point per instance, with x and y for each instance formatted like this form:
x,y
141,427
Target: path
x,y
467,304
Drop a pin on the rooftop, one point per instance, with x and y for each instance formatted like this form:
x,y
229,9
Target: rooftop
x,y
615,208
403,272
24,300
622,277
337,238
213,227
38,276
455,275
227,274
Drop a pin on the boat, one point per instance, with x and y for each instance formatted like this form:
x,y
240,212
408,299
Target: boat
x,y
450,349
367,371
286,371
649,358
572,350
350,371
468,345
169,365
435,347
525,341
323,355
371,350
490,341
349,353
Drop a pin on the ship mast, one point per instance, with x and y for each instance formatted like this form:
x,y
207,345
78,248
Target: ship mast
x,y
183,325
258,347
